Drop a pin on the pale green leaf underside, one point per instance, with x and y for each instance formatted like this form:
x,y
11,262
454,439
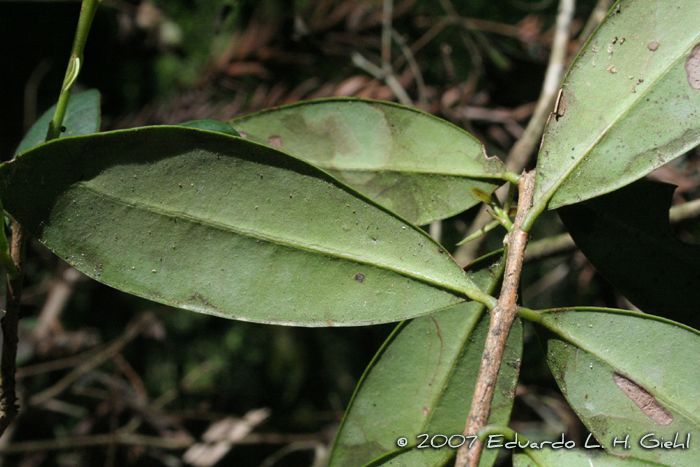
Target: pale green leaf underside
x,y
415,164
576,458
419,382
221,225
82,118
627,107
626,373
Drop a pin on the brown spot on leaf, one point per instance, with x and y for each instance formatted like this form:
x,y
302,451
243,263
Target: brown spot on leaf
x,y
359,277
644,400
653,46
275,141
692,67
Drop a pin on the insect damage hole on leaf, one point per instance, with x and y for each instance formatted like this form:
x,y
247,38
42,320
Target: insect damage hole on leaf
x,y
644,400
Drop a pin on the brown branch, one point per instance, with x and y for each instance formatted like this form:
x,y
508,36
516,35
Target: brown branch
x,y
10,323
502,318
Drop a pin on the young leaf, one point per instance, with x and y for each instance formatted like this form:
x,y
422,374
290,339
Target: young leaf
x,y
220,225
627,237
82,118
417,165
629,103
630,377
576,458
421,381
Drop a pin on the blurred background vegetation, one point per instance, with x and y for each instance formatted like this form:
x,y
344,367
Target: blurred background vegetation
x,y
107,379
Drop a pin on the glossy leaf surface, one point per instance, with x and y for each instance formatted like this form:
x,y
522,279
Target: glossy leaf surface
x,y
417,165
421,381
82,118
576,458
627,237
629,104
628,374
221,225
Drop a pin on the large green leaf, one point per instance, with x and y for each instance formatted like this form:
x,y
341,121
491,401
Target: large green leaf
x,y
576,458
419,166
82,118
217,224
629,104
628,375
421,381
627,236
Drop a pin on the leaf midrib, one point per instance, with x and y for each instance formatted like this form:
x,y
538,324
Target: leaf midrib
x,y
315,249
398,171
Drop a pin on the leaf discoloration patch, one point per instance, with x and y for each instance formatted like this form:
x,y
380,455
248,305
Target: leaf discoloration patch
x,y
644,400
692,67
380,150
275,141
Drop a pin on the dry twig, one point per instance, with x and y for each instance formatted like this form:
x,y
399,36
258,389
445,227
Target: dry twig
x,y
10,323
110,351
